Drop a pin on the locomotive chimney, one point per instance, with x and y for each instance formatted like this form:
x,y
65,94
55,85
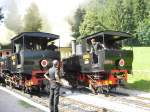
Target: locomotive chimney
x,y
73,47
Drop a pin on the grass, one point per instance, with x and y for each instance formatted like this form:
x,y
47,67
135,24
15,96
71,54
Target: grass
x,y
140,80
141,58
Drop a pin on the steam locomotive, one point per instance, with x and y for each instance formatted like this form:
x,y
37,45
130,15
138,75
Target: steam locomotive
x,y
31,57
112,68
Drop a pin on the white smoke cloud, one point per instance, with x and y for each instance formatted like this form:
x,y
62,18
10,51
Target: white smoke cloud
x,y
55,13
5,35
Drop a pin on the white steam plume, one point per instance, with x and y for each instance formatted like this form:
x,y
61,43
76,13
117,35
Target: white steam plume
x,y
55,13
5,35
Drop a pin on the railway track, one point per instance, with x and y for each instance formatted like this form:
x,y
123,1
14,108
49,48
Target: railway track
x,y
69,104
142,103
65,105
124,98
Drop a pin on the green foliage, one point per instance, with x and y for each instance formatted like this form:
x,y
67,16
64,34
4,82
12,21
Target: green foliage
x,y
108,14
129,20
130,16
141,10
91,24
143,31
142,18
117,15
120,15
33,21
94,18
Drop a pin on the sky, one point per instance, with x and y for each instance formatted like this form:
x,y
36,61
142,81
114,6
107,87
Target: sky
x,y
55,12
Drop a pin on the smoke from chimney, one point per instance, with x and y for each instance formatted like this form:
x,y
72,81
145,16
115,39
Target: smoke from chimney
x,y
53,12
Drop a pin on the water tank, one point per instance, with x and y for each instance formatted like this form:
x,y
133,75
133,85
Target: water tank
x,y
79,50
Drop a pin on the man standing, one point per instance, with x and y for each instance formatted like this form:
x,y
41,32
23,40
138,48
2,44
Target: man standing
x,y
54,79
95,46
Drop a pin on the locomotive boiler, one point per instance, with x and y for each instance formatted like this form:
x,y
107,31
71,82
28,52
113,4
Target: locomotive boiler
x,y
111,69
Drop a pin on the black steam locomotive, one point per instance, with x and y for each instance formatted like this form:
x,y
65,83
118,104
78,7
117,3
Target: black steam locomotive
x,y
31,57
111,69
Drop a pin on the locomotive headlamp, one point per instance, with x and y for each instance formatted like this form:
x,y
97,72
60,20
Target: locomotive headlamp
x,y
122,62
44,63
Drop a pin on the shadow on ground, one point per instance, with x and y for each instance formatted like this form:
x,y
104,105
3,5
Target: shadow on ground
x,y
143,85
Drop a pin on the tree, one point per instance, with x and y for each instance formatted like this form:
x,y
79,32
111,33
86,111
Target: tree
x,y
143,31
129,19
76,21
13,19
91,24
118,15
141,10
142,19
33,21
94,18
130,16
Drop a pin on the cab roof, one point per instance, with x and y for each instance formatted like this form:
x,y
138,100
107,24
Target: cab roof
x,y
108,35
35,35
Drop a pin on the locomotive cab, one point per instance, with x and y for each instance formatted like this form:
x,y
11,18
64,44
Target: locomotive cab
x,y
30,50
109,57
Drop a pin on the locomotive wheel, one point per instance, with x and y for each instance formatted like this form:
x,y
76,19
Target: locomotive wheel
x,y
7,83
106,89
2,82
4,85
24,88
29,90
93,89
101,89
33,90
12,85
74,84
